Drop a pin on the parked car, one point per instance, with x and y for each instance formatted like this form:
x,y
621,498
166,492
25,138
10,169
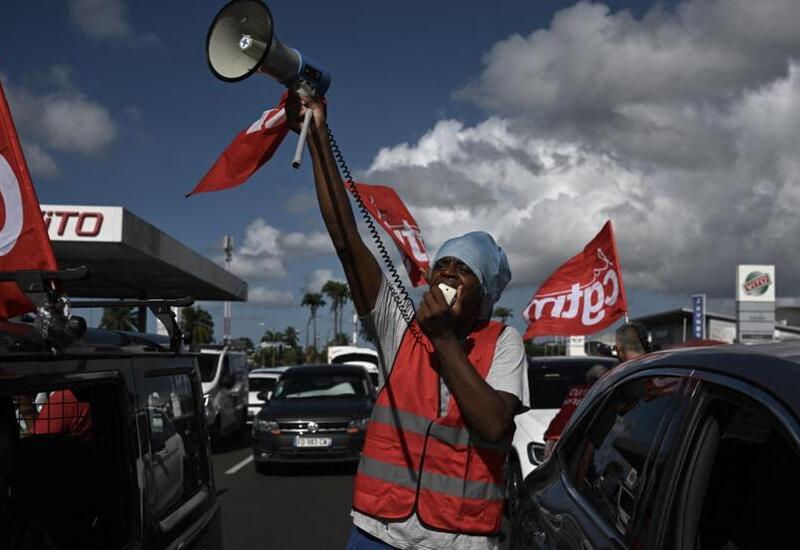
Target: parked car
x,y
103,445
224,376
685,449
316,413
261,381
353,355
549,380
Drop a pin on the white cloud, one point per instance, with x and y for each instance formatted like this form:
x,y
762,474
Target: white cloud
x,y
63,119
266,297
266,249
674,126
100,18
316,279
108,20
40,163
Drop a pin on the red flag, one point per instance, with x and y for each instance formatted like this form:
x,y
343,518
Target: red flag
x,y
388,210
24,243
585,294
247,152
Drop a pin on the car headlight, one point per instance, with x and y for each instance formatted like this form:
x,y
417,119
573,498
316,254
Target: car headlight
x,y
206,398
266,426
535,453
356,425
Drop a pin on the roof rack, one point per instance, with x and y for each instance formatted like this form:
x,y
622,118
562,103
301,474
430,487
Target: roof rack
x,y
54,324
162,309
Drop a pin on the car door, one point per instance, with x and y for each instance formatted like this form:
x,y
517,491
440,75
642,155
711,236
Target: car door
x,y
180,509
599,489
741,470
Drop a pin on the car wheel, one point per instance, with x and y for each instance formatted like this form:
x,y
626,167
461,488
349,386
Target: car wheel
x,y
262,467
514,486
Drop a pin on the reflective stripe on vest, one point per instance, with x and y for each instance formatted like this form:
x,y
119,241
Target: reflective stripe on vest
x,y
410,422
439,483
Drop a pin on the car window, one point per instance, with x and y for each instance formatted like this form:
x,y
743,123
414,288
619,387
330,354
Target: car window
x,y
608,461
174,461
259,384
207,362
549,382
306,385
743,472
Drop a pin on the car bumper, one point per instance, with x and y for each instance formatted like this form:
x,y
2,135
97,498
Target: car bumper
x,y
282,448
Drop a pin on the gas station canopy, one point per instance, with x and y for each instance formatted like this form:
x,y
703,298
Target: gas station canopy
x,y
130,258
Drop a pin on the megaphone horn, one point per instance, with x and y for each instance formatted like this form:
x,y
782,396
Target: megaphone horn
x,y
241,41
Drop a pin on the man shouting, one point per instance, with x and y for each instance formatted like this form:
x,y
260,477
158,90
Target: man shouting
x,y
431,473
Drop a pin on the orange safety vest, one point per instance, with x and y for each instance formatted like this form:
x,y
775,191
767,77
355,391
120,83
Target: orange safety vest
x,y
415,460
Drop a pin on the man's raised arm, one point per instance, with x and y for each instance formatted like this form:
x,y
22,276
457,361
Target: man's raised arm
x,y
360,267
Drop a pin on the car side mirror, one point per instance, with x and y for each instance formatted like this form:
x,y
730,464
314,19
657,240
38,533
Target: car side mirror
x,y
263,396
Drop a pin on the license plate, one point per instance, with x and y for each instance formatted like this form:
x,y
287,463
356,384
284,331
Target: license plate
x,y
312,441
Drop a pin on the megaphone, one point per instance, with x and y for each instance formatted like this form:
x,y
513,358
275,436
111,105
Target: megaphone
x,y
241,41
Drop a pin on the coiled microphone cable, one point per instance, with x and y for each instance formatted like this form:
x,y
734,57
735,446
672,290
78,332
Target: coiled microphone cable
x,y
396,286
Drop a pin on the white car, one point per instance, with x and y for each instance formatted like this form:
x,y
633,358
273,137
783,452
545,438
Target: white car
x,y
549,380
261,380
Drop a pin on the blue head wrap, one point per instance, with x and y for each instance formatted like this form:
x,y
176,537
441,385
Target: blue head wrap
x,y
486,259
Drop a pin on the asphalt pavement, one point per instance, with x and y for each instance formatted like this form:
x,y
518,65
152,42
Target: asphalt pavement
x,y
292,507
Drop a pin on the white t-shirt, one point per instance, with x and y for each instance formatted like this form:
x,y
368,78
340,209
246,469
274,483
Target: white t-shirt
x,y
508,373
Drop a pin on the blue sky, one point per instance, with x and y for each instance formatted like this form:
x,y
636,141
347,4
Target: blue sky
x,y
534,120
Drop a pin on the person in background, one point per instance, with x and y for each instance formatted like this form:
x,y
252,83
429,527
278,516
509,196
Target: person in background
x,y
574,397
632,341
62,413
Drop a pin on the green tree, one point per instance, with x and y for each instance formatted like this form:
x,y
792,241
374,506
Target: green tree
x,y
313,301
119,318
273,336
367,333
198,323
339,295
291,337
502,313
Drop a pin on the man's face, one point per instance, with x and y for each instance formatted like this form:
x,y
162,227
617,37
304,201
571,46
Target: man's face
x,y
455,273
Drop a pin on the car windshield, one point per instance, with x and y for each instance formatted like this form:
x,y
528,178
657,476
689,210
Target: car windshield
x,y
262,384
550,383
208,366
305,385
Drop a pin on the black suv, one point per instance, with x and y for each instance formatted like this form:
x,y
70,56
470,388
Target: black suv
x,y
686,449
103,444
315,413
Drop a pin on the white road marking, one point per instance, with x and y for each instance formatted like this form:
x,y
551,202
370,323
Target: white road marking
x,y
239,466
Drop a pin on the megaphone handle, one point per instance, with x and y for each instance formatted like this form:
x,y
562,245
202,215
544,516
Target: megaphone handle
x,y
301,141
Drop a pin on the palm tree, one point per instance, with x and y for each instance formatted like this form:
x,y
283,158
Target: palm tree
x,y
273,336
290,337
198,323
503,313
339,294
313,301
119,318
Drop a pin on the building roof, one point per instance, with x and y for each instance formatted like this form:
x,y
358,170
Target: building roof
x,y
130,258
682,313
